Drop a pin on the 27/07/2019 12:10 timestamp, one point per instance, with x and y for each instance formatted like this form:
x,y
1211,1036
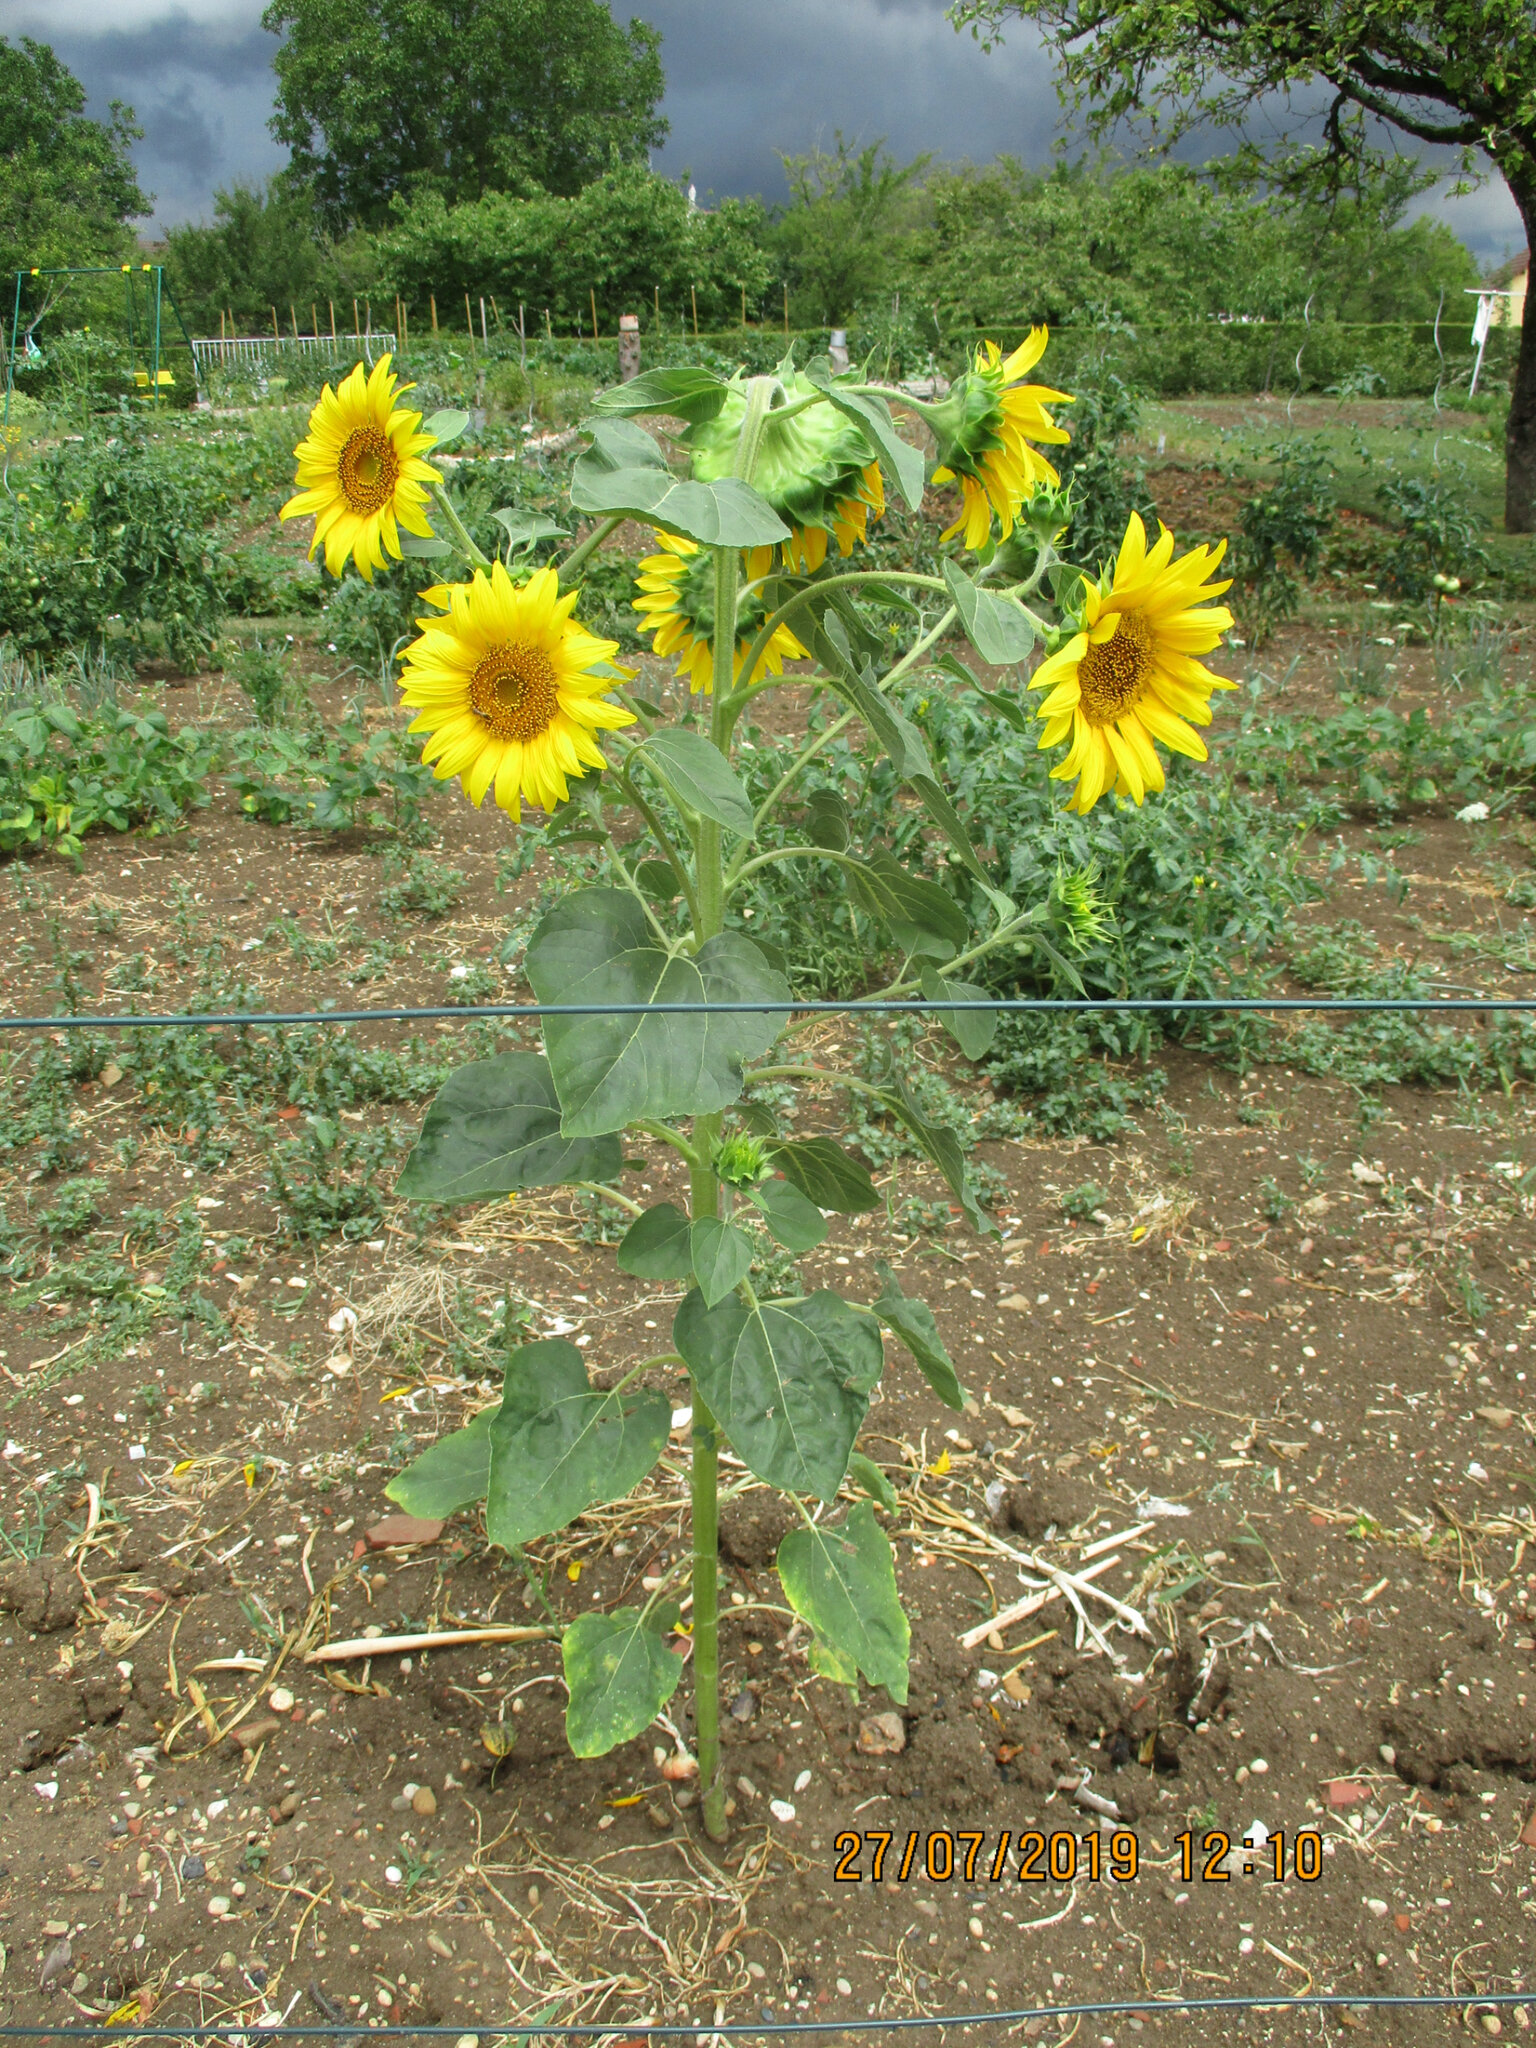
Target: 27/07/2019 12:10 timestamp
x,y
1062,1857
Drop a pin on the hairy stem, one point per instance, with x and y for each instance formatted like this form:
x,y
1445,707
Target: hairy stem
x,y
568,565
706,1631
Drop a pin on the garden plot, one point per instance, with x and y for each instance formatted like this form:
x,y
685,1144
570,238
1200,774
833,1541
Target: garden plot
x,y
1249,1356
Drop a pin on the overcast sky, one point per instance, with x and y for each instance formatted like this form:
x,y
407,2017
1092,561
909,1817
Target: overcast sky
x,y
744,81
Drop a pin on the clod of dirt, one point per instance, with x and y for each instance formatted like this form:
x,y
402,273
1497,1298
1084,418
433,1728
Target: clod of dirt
x,y
751,1531
882,1735
1476,1735
103,1699
395,1532
1044,1504
45,1596
57,1731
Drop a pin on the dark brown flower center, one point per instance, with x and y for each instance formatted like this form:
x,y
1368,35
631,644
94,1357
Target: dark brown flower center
x,y
1113,674
369,470
516,691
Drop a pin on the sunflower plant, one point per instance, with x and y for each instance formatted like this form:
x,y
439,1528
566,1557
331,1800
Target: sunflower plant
x,y
662,1016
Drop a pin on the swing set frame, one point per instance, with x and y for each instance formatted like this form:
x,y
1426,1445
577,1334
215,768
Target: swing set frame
x,y
152,325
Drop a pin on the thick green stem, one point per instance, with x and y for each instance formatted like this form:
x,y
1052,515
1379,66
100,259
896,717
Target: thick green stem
x,y
706,1620
463,538
568,565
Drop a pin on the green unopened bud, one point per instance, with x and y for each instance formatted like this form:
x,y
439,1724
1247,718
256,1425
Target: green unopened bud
x,y
741,1160
1079,912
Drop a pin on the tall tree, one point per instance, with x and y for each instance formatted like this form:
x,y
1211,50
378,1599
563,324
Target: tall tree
x,y
1461,73
67,186
457,98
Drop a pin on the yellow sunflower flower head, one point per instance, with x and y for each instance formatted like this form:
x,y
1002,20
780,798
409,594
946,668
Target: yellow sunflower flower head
x,y
986,429
510,689
677,604
1132,675
361,471
815,469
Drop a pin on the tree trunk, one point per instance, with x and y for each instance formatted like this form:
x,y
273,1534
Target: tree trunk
x,y
1520,428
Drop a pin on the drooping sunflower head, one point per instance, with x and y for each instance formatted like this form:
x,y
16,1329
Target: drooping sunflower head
x,y
986,429
510,690
1131,675
677,604
815,469
361,471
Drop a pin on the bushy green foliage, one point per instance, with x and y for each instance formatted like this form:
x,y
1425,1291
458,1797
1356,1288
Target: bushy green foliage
x,y
1381,757
115,530
626,236
64,774
1166,244
1435,533
525,95
1284,526
67,187
336,780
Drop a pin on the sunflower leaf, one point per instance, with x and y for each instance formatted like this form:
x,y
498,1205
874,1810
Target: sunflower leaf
x,y
825,1174
789,1381
445,426
923,918
867,1476
722,1256
595,946
524,529
911,1320
558,1444
695,772
942,1147
494,1129
995,625
873,416
1018,715
793,1218
972,1030
841,1578
451,1474
655,1246
688,393
422,547
624,472
619,1673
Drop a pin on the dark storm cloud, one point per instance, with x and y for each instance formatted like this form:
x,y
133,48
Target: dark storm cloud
x,y
745,81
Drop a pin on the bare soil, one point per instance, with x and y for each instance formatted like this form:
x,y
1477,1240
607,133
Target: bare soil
x,y
1310,1438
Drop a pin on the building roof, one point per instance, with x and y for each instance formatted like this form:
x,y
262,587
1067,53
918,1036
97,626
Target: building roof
x,y
1517,266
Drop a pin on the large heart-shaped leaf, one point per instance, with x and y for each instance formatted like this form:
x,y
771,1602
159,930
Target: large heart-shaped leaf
x,y
794,1219
995,625
451,1474
557,1444
972,1030
841,1578
722,1257
619,475
494,1129
687,393
698,775
596,947
825,1173
655,1246
789,1381
620,1674
912,1321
